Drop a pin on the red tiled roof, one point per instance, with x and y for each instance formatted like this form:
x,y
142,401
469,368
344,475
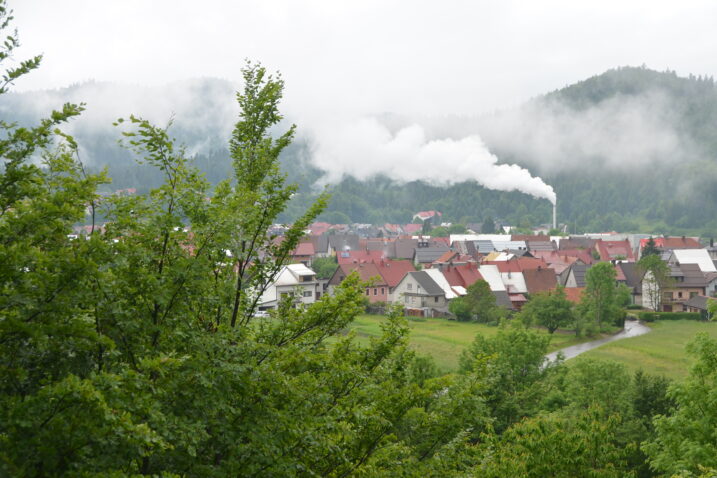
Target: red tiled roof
x,y
518,264
412,228
393,271
574,294
348,257
304,249
620,274
673,243
319,228
613,249
463,275
582,254
365,271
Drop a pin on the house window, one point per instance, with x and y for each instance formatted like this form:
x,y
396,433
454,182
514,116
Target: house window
x,y
375,291
406,299
308,293
679,295
383,290
667,296
409,286
435,299
367,292
693,294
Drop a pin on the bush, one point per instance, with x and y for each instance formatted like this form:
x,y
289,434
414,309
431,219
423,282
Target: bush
x,y
653,316
634,307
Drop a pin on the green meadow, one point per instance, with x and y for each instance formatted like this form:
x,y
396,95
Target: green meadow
x,y
444,339
661,352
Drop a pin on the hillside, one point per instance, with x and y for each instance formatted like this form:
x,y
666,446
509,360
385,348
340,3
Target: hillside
x,y
631,149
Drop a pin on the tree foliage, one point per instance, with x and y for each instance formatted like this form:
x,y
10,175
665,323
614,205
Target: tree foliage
x,y
549,309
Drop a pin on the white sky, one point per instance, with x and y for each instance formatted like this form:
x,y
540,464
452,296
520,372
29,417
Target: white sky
x,y
368,56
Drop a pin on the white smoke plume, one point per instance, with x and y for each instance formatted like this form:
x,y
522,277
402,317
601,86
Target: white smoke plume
x,y
365,147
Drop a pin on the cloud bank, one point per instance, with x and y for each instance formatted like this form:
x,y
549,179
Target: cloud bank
x,y
364,148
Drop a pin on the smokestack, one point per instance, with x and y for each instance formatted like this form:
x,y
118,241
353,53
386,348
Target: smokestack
x,y
555,214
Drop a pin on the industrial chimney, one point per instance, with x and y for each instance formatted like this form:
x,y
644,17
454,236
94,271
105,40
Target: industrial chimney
x,y
555,214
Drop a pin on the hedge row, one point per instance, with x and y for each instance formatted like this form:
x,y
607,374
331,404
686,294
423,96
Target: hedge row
x,y
648,316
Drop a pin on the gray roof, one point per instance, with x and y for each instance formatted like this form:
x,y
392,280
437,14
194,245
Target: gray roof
x,y
404,248
541,245
688,275
506,245
321,244
578,270
425,255
698,302
632,274
502,299
427,283
484,247
344,242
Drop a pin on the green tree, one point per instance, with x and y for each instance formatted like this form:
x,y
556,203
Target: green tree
x,y
650,249
457,229
136,351
482,303
324,267
550,309
655,277
552,445
488,226
685,439
460,308
515,367
599,304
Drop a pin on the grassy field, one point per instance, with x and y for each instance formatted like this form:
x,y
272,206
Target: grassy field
x,y
662,351
445,339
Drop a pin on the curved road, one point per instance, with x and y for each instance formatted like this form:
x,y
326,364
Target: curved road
x,y
633,328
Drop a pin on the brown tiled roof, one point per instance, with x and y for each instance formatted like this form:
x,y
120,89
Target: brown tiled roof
x,y
538,280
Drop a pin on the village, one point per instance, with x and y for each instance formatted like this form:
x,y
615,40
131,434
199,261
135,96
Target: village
x,y
403,265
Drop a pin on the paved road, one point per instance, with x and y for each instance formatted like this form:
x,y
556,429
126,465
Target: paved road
x,y
633,328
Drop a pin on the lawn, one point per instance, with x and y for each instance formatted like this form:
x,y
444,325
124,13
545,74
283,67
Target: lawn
x,y
445,339
662,351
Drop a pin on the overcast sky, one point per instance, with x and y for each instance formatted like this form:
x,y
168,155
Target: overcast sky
x,y
367,56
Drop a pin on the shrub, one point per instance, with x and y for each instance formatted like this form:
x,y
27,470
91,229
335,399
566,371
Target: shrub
x,y
653,316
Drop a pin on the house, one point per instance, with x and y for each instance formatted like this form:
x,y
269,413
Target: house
x,y
688,281
303,253
293,280
615,250
404,248
492,276
377,291
701,257
699,304
433,217
319,228
670,243
348,257
540,279
419,290
462,276
320,243
425,254
388,274
574,276
633,280
342,242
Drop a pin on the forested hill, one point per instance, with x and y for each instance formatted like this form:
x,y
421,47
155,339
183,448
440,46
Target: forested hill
x,y
631,149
